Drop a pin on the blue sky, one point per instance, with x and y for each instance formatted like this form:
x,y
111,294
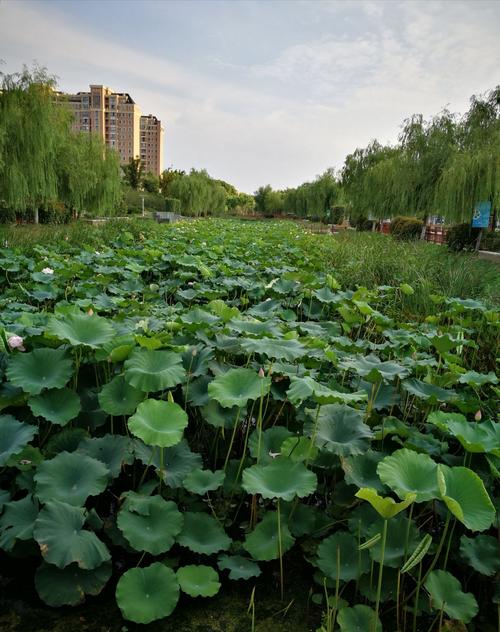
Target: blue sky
x,y
264,91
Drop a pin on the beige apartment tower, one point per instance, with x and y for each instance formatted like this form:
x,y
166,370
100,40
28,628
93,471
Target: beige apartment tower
x,y
151,144
117,119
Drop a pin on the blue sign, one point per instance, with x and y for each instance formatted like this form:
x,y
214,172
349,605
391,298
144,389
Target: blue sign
x,y
481,215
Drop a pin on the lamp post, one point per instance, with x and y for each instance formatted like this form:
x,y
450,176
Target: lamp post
x,y
142,199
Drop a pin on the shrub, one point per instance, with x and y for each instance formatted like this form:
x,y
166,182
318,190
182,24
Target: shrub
x,y
462,237
491,242
407,228
362,224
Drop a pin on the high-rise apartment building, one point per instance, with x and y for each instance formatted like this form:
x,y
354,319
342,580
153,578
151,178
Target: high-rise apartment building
x,y
117,119
151,144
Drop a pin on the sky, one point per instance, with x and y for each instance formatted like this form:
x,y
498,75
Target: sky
x,y
264,91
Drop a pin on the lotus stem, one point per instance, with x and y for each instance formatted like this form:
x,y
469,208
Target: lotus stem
x,y
280,549
313,438
233,435
380,575
417,594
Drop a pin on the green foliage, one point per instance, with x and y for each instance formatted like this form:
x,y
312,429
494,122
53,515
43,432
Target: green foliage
x,y
199,195
248,392
462,237
406,228
172,205
133,173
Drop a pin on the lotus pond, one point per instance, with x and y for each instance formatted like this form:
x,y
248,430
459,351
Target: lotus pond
x,y
209,410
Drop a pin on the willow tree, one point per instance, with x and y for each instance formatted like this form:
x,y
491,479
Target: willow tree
x,y
199,194
31,128
472,173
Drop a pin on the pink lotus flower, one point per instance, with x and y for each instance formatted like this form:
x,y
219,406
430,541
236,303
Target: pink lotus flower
x,y
16,342
478,416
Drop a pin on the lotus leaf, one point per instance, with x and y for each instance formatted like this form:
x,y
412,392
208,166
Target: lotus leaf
x,y
359,618
178,460
14,437
39,369
283,478
446,593
237,386
465,496
114,451
271,441
158,423
441,419
68,586
239,567
152,371
58,405
17,521
66,440
373,369
217,416
476,437
119,398
301,388
288,350
481,553
298,448
361,470
82,329
339,557
198,581
149,523
386,507
71,478
202,481
203,534
430,392
478,379
147,594
340,429
407,472
62,539
263,542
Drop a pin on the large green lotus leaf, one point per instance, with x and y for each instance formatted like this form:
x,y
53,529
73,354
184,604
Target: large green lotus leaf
x,y
340,429
271,441
361,470
481,553
202,481
215,415
147,594
339,557
446,593
58,405
4,498
203,534
178,460
441,419
430,392
239,567
62,539
151,371
465,496
373,369
476,437
289,350
66,440
397,548
478,379
150,526
263,542
298,448
82,329
114,451
407,472
301,388
283,478
71,478
359,618
68,586
17,521
385,507
158,423
198,581
237,386
119,398
39,369
14,437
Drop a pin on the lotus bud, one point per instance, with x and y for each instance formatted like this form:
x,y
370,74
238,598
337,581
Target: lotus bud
x,y
90,311
261,372
170,397
48,271
478,416
194,352
16,342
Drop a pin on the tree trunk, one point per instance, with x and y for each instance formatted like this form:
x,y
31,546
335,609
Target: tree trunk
x,y
424,229
35,215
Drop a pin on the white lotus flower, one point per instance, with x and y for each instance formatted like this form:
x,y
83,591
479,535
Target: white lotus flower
x,y
48,271
16,342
